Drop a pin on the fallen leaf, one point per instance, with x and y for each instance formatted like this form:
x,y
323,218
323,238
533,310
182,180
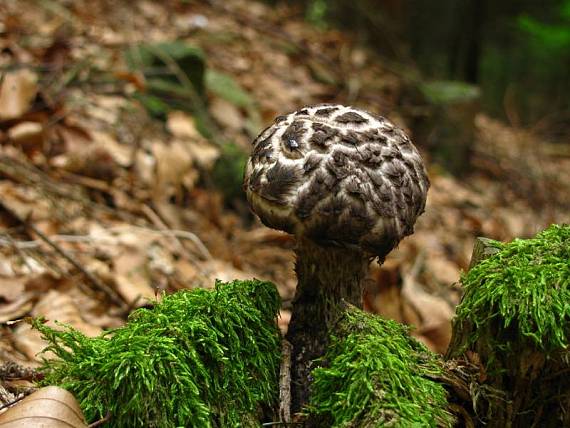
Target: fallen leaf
x,y
28,135
54,305
16,309
182,125
444,271
226,114
120,153
224,271
135,289
49,407
12,288
17,93
174,169
204,153
435,314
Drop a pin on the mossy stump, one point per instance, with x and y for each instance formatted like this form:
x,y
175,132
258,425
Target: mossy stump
x,y
200,358
514,322
374,374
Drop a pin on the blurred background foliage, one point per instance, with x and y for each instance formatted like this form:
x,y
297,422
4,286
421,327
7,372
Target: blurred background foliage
x,y
516,51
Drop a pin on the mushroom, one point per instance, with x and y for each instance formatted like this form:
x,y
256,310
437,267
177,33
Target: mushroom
x,y
349,185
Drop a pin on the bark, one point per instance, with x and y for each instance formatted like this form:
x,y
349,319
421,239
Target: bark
x,y
326,277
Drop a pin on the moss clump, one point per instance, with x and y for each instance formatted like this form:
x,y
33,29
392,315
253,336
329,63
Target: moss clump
x,y
376,375
521,294
201,358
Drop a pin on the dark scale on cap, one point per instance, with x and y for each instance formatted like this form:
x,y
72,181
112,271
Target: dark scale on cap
x,y
309,198
280,181
322,135
351,117
292,138
326,111
312,161
351,138
371,155
254,181
337,175
263,150
339,165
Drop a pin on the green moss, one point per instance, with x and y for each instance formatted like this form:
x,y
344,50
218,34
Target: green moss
x,y
521,295
376,375
202,358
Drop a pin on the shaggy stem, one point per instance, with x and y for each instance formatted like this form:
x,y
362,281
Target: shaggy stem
x,y
326,277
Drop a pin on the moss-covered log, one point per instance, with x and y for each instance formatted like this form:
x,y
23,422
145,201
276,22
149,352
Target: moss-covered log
x,y
514,320
374,374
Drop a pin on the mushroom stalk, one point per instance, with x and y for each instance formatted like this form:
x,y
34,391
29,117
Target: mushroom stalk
x,y
326,277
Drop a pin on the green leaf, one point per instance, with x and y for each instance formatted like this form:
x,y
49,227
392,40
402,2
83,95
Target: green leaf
x,y
224,86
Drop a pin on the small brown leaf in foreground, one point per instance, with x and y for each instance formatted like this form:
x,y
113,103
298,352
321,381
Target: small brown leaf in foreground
x,y
49,407
17,92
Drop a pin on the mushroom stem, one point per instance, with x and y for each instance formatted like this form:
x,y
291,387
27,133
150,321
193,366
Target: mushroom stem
x,y
326,277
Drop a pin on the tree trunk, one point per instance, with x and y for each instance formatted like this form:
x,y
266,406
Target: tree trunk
x,y
525,387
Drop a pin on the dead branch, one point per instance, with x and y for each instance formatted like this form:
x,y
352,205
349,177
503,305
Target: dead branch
x,y
285,383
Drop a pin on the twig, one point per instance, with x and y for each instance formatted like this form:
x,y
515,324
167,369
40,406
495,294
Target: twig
x,y
285,382
282,424
160,224
111,294
18,250
28,174
182,234
163,227
101,421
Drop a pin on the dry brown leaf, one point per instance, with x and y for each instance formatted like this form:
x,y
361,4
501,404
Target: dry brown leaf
x,y
105,108
12,288
94,161
187,272
135,289
383,294
17,93
54,305
182,125
28,135
444,271
226,114
224,271
120,153
16,309
204,153
174,169
435,314
49,407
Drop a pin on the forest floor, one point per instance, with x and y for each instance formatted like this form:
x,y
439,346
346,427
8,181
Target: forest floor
x,y
109,193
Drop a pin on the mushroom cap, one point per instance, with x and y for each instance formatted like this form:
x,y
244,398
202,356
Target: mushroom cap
x,y
339,176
